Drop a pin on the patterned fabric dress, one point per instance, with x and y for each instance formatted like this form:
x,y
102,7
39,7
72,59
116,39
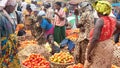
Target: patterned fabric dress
x,y
103,51
9,57
87,20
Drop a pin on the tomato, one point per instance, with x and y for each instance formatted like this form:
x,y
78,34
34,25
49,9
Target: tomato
x,y
36,61
76,66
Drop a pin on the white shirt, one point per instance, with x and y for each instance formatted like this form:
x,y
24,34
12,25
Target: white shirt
x,y
112,15
95,14
23,5
42,13
33,7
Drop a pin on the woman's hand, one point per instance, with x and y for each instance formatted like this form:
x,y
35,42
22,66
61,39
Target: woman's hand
x,y
56,13
89,53
89,57
52,41
37,24
37,38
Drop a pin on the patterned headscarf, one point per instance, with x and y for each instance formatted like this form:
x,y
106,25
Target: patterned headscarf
x,y
103,7
85,5
11,2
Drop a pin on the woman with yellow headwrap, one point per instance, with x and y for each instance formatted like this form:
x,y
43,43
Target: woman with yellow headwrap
x,y
8,47
100,48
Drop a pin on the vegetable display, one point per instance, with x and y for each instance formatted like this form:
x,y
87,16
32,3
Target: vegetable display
x,y
76,66
36,61
62,57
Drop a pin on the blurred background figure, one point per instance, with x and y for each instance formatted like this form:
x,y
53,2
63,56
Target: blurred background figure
x,y
117,14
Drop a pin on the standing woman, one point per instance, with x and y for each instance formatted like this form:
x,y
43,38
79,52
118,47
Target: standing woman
x,y
59,30
100,47
8,47
27,14
85,24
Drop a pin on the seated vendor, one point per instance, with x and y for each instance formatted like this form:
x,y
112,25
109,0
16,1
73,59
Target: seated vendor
x,y
51,45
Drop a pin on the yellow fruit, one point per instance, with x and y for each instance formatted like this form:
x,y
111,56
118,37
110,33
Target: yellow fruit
x,y
62,57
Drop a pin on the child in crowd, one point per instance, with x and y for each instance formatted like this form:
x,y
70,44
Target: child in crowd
x,y
51,45
21,30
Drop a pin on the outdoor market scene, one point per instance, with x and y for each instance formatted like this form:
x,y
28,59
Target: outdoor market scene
x,y
59,33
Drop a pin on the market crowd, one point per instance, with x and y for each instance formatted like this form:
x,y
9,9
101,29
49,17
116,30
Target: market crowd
x,y
98,23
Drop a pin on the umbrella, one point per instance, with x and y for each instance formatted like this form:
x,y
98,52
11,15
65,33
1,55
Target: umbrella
x,y
71,19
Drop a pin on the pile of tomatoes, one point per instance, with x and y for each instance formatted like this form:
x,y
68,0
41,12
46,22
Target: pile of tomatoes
x,y
76,66
36,61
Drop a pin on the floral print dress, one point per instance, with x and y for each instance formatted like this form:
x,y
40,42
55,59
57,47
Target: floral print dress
x,y
87,22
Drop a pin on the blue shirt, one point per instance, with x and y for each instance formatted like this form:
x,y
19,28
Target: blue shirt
x,y
6,28
117,15
45,24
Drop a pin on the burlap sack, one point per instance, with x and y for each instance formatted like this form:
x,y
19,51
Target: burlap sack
x,y
30,49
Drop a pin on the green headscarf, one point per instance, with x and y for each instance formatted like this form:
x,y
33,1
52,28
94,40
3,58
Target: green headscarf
x,y
103,7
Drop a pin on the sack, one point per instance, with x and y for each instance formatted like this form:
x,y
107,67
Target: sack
x,y
30,49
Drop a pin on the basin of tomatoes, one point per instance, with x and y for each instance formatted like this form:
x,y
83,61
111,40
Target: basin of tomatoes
x,y
36,61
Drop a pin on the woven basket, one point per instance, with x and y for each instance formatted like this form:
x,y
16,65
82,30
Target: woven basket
x,y
116,56
60,65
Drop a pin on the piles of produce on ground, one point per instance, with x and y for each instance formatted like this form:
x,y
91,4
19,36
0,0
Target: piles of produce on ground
x,y
25,43
114,66
76,66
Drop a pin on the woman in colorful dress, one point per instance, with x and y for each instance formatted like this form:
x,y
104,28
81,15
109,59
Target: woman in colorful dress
x,y
100,48
85,24
8,47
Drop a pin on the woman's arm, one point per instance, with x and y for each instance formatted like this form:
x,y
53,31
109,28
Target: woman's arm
x,y
61,17
96,35
117,27
43,32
